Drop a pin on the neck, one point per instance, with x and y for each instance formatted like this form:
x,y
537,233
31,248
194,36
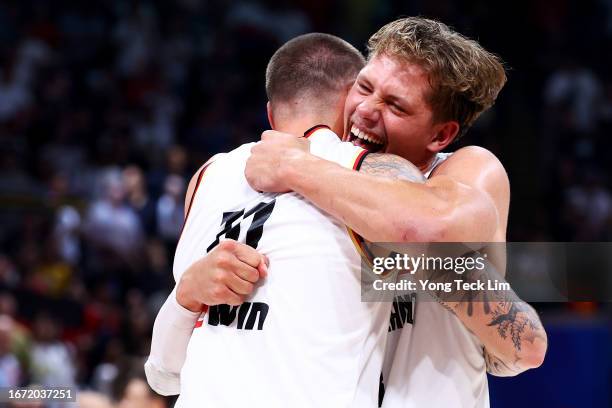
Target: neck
x,y
299,126
425,164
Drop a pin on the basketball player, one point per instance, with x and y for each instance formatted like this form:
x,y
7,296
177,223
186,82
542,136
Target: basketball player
x,y
422,88
303,336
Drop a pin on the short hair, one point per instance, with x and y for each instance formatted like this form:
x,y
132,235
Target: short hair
x,y
312,64
464,77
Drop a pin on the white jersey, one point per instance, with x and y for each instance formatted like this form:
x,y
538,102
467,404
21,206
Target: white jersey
x,y
431,359
304,338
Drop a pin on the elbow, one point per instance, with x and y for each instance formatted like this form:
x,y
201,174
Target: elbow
x,y
534,354
161,382
425,228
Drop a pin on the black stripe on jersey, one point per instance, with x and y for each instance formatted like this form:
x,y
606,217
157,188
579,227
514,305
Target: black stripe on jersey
x,y
359,161
314,129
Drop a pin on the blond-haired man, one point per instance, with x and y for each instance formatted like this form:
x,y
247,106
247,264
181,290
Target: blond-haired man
x,y
424,85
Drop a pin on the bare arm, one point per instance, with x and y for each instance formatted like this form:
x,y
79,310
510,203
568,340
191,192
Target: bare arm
x,y
465,200
509,328
519,322
393,209
512,334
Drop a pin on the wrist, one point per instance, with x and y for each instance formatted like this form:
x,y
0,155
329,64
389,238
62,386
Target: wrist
x,y
185,299
296,168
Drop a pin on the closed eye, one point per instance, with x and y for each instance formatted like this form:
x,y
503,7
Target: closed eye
x,y
364,88
397,108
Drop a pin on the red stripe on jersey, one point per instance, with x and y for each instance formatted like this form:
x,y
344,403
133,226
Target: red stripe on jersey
x,y
359,160
199,323
195,190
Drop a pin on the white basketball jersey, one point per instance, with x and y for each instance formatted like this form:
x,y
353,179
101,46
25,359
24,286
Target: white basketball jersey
x,y
432,360
304,338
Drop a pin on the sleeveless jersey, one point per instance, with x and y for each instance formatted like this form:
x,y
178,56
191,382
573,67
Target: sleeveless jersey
x,y
303,338
433,360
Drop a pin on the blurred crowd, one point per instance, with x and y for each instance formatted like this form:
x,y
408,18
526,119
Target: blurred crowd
x,y
107,108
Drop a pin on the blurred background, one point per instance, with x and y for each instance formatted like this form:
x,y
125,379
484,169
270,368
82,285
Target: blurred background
x,y
107,108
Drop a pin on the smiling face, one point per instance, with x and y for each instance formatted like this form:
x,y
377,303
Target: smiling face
x,y
387,111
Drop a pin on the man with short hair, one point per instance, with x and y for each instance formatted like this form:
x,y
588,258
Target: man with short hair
x,y
303,336
423,86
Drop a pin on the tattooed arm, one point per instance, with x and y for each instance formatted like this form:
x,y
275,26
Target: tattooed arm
x,y
511,331
392,167
512,334
465,200
518,322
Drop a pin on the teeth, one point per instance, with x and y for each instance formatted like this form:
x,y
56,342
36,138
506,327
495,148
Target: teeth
x,y
362,135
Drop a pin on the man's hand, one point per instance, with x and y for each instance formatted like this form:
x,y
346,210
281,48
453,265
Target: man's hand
x,y
226,275
270,158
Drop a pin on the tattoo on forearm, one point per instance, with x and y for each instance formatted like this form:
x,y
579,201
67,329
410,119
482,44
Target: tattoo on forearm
x,y
498,367
391,166
513,319
517,320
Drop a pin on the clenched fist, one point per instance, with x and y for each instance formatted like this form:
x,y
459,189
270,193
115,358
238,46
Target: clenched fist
x,y
226,275
270,158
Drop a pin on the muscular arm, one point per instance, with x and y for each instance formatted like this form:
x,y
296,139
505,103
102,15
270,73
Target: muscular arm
x,y
466,200
394,210
515,320
513,337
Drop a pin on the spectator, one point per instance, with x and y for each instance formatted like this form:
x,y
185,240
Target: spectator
x,y
52,360
110,223
170,208
138,198
10,369
138,394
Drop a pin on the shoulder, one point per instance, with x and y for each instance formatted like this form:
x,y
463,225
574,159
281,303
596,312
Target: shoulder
x,y
476,166
196,178
481,170
477,154
390,166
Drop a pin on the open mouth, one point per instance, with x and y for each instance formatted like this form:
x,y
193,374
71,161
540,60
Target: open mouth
x,y
368,141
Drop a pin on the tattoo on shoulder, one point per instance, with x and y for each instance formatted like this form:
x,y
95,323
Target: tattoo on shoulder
x,y
391,166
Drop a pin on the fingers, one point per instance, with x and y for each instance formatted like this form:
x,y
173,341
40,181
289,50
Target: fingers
x,y
247,254
237,268
263,267
253,259
224,295
269,134
273,134
245,272
239,285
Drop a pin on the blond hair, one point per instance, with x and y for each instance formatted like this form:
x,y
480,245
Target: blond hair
x,y
464,77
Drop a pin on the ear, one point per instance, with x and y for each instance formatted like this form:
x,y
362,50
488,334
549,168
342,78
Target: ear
x,y
444,134
270,115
